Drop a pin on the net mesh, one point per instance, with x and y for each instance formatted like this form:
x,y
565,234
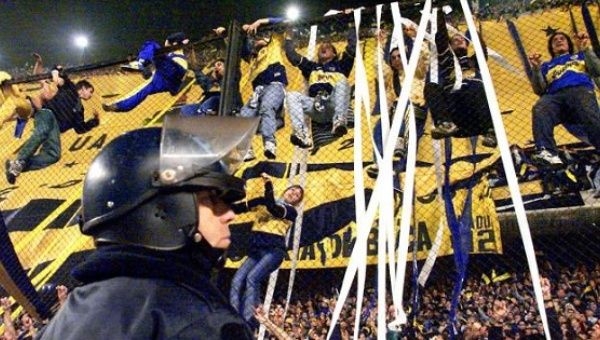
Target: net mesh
x,y
303,83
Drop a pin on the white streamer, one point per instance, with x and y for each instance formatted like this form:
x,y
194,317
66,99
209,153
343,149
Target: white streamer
x,y
458,76
439,236
299,159
411,159
383,104
386,207
312,42
508,165
268,299
386,215
360,85
503,62
365,221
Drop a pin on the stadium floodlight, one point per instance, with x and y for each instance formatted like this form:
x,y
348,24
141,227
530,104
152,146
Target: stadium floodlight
x,y
81,41
292,13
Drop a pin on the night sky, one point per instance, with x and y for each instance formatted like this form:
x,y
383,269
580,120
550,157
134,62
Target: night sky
x,y
118,27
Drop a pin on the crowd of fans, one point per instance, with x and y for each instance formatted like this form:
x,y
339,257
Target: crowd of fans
x,y
504,302
25,327
500,10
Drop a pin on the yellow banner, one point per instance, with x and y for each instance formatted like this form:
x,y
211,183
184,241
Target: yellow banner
x,y
334,251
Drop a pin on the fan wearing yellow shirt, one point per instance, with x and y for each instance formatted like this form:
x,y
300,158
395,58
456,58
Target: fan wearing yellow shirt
x,y
268,76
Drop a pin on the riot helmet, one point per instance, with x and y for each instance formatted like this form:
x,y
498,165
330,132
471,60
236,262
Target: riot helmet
x,y
141,188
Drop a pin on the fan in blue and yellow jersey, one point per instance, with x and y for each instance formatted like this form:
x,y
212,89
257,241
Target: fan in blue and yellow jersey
x,y
328,92
170,71
566,90
263,52
273,220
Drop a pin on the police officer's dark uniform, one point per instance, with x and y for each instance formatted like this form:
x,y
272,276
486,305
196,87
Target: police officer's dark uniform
x,y
149,277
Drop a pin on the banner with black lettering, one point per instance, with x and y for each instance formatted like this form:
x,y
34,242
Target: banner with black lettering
x,y
329,228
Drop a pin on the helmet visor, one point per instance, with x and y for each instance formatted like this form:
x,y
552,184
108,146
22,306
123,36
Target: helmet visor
x,y
193,146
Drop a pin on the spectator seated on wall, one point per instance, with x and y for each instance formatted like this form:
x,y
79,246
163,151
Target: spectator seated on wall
x,y
566,92
211,83
455,95
393,78
263,52
328,96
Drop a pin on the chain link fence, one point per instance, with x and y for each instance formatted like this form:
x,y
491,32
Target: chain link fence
x,y
328,96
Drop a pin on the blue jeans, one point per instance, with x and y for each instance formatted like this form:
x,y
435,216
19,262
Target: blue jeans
x,y
245,288
202,108
270,102
572,106
46,138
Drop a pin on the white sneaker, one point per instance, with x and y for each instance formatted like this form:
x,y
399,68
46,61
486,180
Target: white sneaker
x,y
339,127
301,139
400,149
256,96
13,169
250,156
270,150
547,157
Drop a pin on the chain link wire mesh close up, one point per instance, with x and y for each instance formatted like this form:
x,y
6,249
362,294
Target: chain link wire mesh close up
x,y
379,203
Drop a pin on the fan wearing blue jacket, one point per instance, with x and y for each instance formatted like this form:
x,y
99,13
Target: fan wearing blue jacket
x,y
170,71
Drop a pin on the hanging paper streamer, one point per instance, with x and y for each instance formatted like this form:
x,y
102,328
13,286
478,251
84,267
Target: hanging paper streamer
x,y
411,159
589,26
364,220
497,57
573,23
415,279
361,95
509,167
298,167
386,207
20,127
460,231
